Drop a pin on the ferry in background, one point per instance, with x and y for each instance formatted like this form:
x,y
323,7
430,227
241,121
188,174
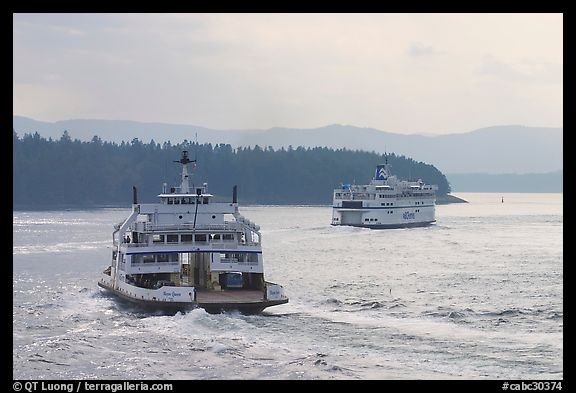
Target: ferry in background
x,y
188,251
386,202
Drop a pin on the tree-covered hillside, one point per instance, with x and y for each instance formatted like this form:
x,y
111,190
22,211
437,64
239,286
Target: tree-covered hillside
x,y
66,172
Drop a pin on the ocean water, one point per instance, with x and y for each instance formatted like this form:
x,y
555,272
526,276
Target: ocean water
x,y
477,296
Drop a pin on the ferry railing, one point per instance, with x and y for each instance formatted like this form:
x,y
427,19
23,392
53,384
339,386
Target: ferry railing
x,y
191,227
362,195
136,244
151,263
204,243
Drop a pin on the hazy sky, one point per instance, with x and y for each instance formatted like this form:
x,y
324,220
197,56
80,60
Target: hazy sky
x,y
404,73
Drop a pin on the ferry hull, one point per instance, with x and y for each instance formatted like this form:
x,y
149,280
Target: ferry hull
x,y
210,304
244,308
390,226
402,217
152,305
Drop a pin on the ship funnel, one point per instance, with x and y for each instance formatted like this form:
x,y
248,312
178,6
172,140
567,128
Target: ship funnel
x,y
134,195
381,172
235,194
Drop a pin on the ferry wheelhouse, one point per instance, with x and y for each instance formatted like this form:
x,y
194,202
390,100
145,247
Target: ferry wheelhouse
x,y
386,202
189,251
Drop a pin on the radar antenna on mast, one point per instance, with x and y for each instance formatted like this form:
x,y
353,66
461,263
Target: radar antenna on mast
x,y
184,160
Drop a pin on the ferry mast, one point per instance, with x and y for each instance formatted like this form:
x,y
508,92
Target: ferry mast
x,y
184,160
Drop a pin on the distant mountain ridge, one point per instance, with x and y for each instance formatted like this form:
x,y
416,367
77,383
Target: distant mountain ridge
x,y
492,150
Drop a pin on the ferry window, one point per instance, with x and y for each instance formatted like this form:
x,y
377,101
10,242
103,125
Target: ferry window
x,y
170,201
158,238
148,258
186,238
252,258
172,238
184,201
173,257
227,236
216,237
200,238
229,258
365,219
162,258
176,201
205,201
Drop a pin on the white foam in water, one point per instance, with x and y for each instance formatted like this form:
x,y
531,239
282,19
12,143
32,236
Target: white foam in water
x,y
60,247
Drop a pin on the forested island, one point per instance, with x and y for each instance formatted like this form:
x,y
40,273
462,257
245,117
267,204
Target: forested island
x,y
65,173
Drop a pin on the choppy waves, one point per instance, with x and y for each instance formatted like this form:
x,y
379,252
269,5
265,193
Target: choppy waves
x,y
458,300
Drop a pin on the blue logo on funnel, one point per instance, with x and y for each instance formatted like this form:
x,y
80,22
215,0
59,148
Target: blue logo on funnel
x,y
381,173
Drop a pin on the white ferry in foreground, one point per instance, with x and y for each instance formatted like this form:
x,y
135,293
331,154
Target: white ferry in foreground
x,y
385,203
188,251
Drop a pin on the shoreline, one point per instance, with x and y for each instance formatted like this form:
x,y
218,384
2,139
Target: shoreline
x,y
448,199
